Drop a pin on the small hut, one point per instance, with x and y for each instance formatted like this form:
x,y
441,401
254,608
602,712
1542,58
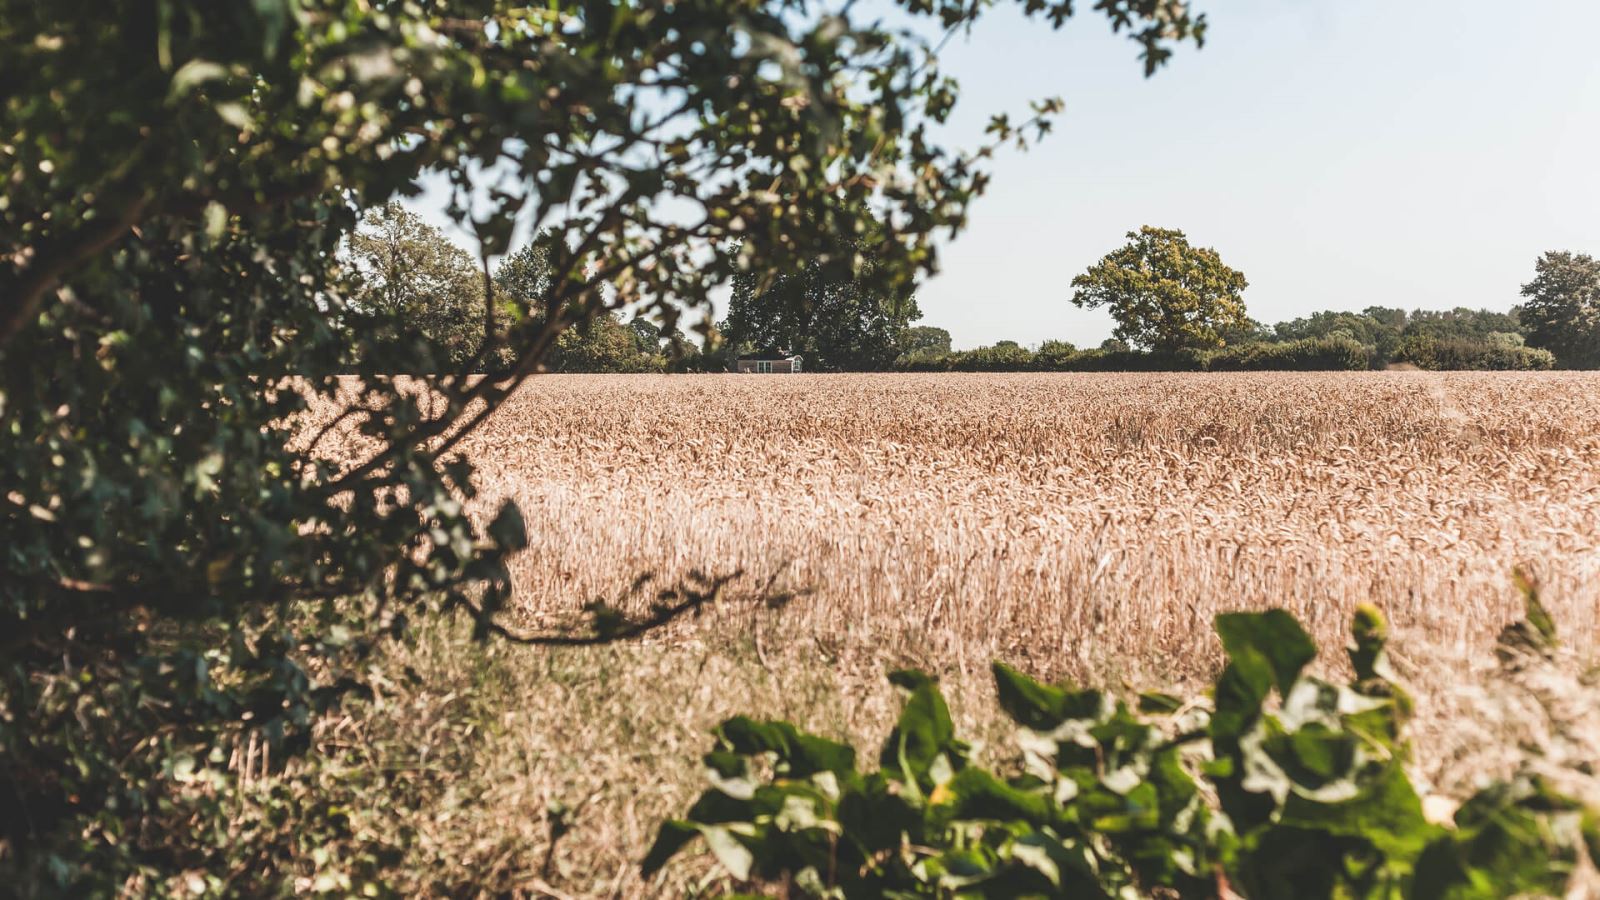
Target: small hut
x,y
769,363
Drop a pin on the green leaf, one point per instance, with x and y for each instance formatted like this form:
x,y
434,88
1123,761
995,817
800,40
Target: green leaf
x,y
1027,702
1369,632
922,734
1238,696
1512,839
976,794
1385,811
1157,703
673,835
800,755
1273,636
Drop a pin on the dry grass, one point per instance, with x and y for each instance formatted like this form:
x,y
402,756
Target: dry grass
x,y
1085,526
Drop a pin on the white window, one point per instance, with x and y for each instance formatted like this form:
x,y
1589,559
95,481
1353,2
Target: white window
x,y
764,367
794,364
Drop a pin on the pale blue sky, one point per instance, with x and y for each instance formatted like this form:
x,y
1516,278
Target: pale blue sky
x,y
1342,153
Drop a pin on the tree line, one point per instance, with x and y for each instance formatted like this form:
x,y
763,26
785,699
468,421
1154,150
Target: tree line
x,y
1176,307
1179,307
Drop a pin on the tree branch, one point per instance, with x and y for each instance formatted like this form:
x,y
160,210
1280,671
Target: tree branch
x,y
661,616
52,260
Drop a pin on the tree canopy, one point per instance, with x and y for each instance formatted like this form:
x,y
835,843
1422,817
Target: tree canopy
x,y
1563,307
835,319
206,530
417,303
1165,294
925,339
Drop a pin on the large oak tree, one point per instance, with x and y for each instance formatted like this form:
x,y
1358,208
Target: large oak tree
x,y
1164,293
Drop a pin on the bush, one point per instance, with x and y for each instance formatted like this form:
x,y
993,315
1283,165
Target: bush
x,y
1334,352
1302,796
1054,356
1338,352
1449,354
1006,356
923,362
1125,360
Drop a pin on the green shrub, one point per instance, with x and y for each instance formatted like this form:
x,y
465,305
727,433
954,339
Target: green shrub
x,y
1125,360
1304,795
1334,352
925,361
1054,356
1448,354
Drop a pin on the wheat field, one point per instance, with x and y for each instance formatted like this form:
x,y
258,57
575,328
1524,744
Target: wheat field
x,y
1080,519
1079,526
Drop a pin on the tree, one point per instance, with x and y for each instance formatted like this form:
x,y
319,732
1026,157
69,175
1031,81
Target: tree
x,y
596,342
196,563
925,340
1562,314
1375,327
413,281
830,312
1164,294
1461,323
603,344
1055,355
646,334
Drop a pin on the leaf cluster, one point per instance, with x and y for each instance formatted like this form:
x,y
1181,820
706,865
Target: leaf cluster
x,y
1279,785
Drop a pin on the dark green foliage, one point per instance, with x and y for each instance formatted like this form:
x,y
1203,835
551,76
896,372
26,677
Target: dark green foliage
x,y
1458,338
1335,353
1446,354
1374,327
1325,341
1311,795
1563,309
417,304
192,574
827,313
1311,354
597,341
924,340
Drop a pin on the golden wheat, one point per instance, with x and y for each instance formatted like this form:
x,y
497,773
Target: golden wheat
x,y
1084,518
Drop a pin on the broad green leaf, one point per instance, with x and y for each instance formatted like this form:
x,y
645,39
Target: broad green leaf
x,y
1027,702
1385,811
799,754
976,794
923,732
1273,636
